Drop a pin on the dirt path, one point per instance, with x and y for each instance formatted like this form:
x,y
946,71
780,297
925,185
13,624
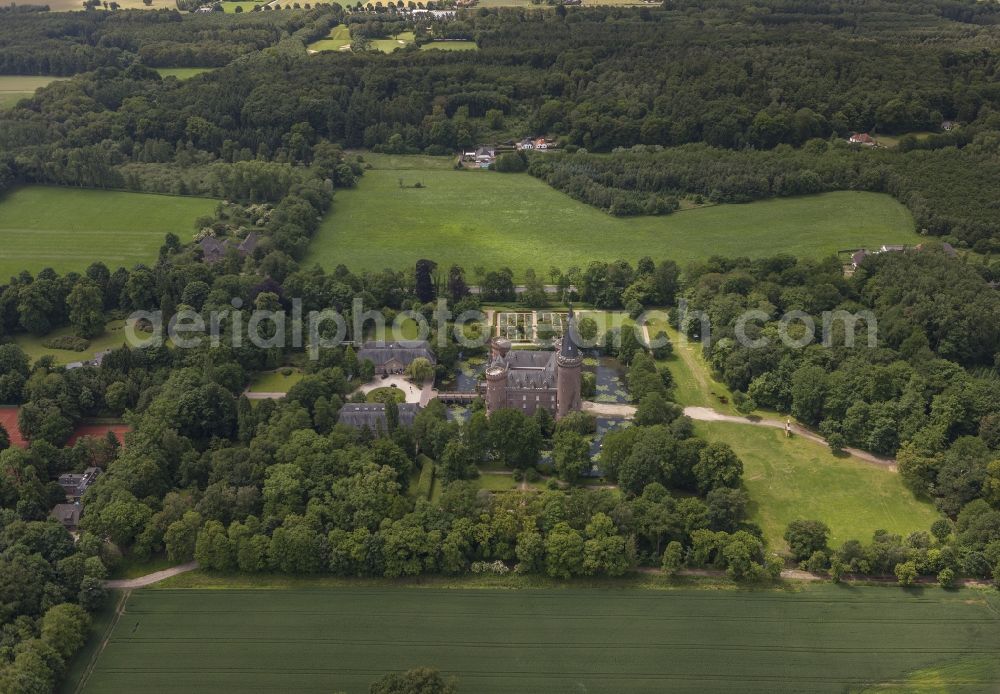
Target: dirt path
x,y
150,579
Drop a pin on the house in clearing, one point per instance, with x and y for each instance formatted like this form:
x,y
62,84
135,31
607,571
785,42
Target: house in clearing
x,y
485,155
68,515
213,250
76,483
372,416
525,145
394,357
863,139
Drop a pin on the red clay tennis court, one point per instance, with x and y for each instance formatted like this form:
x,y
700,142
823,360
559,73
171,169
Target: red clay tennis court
x,y
100,431
8,418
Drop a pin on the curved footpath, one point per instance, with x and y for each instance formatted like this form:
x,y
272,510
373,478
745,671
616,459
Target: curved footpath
x,y
707,414
150,579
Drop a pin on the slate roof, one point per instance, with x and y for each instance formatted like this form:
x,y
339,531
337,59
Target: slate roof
x,y
568,349
213,249
67,514
76,483
380,353
372,415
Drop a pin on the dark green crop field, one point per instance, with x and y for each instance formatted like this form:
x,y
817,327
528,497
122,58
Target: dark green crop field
x,y
816,639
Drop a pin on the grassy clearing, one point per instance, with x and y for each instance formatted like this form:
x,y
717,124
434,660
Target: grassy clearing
x,y
69,228
818,638
404,329
275,381
693,382
338,39
891,141
390,44
13,88
796,478
130,567
113,337
520,222
182,73
451,46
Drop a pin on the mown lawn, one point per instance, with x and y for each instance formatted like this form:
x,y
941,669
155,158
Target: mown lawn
x,y
817,639
13,88
795,478
182,73
70,228
450,46
338,39
113,337
390,44
483,218
275,381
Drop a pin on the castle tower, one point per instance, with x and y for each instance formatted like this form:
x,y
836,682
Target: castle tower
x,y
496,387
569,372
499,347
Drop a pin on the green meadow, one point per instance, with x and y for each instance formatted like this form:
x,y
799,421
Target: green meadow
x,y
319,640
483,218
68,228
790,479
13,88
338,39
182,73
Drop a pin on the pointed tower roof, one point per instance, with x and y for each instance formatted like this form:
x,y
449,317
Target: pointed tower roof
x,y
568,349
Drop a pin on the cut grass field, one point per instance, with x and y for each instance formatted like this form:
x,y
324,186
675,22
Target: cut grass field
x,y
274,381
112,338
13,88
182,73
69,228
390,44
817,638
450,46
339,39
520,222
795,478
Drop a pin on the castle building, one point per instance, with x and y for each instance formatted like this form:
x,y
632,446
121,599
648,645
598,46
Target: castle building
x,y
529,380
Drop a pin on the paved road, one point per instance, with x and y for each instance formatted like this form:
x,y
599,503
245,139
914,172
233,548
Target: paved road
x,y
150,579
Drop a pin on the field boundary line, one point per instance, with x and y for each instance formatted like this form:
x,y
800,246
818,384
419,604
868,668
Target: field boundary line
x,y
119,611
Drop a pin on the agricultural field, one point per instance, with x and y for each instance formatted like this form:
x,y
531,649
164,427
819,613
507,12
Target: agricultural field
x,y
182,73
13,88
521,223
818,638
795,478
339,39
77,5
69,228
